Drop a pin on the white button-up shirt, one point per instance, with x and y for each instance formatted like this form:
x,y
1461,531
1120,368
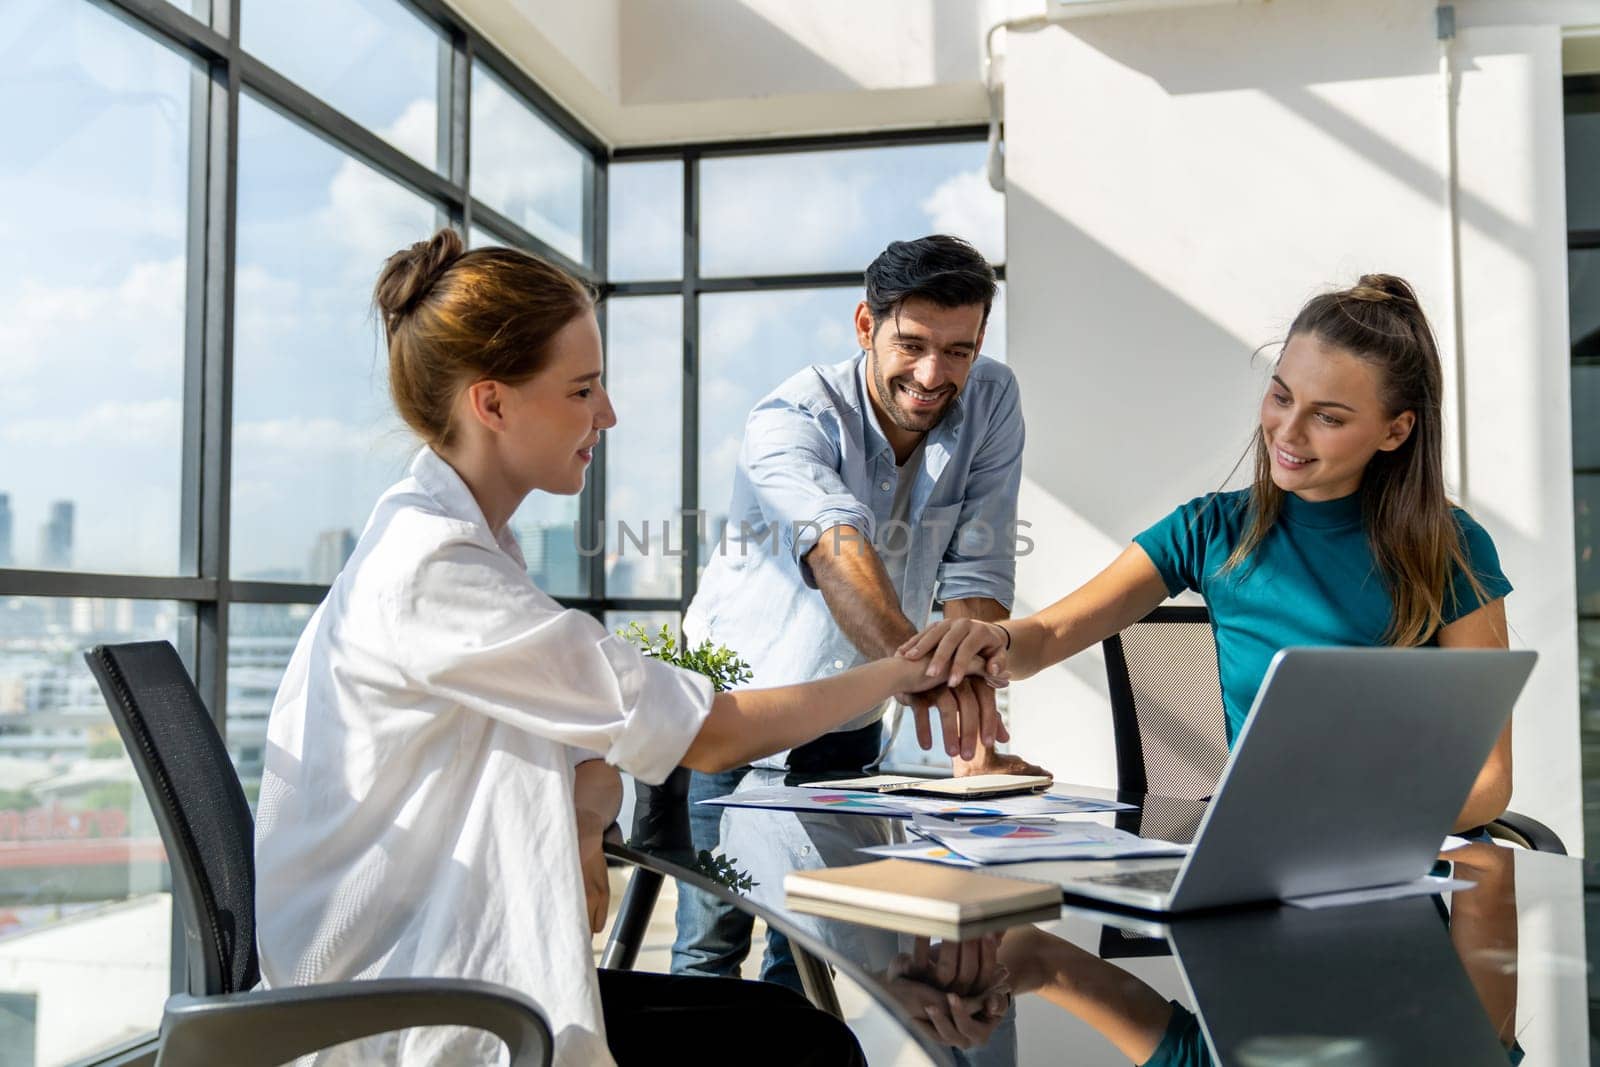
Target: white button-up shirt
x,y
416,813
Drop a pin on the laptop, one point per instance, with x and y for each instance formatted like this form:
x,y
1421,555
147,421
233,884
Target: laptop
x,y
1350,770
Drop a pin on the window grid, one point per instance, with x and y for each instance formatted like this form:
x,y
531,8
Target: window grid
x,y
225,71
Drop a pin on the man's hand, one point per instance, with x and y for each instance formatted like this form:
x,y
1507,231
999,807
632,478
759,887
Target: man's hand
x,y
968,718
988,761
956,991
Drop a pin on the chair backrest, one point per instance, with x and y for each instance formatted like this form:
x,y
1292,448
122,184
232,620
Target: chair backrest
x,y
1166,704
198,805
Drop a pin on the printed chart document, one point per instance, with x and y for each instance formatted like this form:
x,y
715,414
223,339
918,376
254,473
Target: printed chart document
x,y
1018,841
917,898
898,806
922,851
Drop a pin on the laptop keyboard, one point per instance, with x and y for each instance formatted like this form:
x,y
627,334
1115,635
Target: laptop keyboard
x,y
1159,879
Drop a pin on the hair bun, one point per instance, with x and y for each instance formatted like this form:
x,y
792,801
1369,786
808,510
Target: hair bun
x,y
1380,287
411,273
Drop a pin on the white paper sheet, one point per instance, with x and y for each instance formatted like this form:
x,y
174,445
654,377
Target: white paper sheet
x,y
1427,885
1019,841
923,851
857,802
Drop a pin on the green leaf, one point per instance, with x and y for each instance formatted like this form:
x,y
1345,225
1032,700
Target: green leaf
x,y
717,662
720,869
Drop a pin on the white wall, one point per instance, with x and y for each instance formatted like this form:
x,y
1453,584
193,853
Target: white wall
x,y
1178,184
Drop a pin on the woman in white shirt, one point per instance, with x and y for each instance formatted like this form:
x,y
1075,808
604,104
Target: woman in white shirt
x,y
442,755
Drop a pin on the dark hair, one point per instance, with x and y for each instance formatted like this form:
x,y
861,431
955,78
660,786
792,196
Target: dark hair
x,y
452,317
943,269
1415,538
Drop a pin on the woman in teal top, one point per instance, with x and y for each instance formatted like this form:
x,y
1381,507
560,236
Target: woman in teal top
x,y
1345,536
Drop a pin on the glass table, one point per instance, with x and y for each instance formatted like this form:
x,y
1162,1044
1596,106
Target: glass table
x,y
1495,975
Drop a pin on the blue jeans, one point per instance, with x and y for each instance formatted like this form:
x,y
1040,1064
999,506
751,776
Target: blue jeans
x,y
714,937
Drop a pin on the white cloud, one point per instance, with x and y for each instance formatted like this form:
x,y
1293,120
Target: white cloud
x,y
525,169
119,424
800,214
93,331
301,435
965,205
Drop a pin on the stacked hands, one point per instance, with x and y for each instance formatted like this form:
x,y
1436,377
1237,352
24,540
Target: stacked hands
x,y
955,991
964,662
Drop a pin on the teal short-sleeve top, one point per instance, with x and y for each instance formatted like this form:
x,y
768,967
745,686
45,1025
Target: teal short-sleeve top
x,y
1311,581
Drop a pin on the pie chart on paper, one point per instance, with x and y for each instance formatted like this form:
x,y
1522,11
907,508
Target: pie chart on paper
x,y
840,800
1012,830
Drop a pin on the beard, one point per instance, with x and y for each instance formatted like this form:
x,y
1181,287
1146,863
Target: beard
x,y
888,393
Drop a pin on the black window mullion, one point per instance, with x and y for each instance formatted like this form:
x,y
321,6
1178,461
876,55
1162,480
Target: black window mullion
x,y
455,126
219,203
690,436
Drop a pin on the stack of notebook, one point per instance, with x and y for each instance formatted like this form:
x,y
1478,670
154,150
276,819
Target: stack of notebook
x,y
921,898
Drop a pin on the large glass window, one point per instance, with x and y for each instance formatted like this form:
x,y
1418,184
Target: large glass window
x,y
315,438
108,492
261,637
794,213
527,170
92,272
85,895
644,464
749,344
372,59
644,221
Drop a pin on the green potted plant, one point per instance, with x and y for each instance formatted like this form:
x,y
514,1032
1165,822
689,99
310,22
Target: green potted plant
x,y
661,812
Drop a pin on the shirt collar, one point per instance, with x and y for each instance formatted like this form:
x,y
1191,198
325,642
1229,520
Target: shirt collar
x,y
1323,514
440,481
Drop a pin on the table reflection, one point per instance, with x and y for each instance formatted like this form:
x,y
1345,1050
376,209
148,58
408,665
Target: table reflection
x,y
1420,980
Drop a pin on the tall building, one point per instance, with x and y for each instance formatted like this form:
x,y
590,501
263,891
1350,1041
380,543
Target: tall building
x,y
55,540
329,555
5,530
560,566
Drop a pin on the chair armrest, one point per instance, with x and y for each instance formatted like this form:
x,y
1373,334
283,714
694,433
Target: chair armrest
x,y
267,1027
1527,831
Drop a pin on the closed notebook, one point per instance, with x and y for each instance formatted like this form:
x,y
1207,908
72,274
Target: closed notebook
x,y
945,895
971,787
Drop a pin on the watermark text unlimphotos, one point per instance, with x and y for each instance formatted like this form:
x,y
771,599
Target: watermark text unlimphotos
x,y
647,537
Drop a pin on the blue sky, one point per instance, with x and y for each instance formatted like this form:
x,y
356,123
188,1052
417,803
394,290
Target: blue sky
x,y
93,277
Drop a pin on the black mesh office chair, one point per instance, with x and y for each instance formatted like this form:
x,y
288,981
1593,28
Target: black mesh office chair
x,y
209,835
1170,727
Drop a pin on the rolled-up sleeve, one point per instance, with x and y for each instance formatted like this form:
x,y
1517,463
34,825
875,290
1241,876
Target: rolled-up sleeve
x,y
981,560
479,635
793,466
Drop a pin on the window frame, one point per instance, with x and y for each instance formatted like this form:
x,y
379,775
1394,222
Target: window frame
x,y
223,72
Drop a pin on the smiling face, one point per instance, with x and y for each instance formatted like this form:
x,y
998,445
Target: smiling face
x,y
553,420
918,360
1322,420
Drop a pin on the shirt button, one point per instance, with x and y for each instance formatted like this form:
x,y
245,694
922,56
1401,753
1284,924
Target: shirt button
x,y
838,664
886,487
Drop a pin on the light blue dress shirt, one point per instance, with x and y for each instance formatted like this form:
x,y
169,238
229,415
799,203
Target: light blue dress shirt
x,y
815,458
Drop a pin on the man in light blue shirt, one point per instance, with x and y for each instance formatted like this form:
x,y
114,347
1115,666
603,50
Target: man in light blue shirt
x,y
866,491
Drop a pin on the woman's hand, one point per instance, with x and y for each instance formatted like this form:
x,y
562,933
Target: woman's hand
x,y
955,648
956,991
596,879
